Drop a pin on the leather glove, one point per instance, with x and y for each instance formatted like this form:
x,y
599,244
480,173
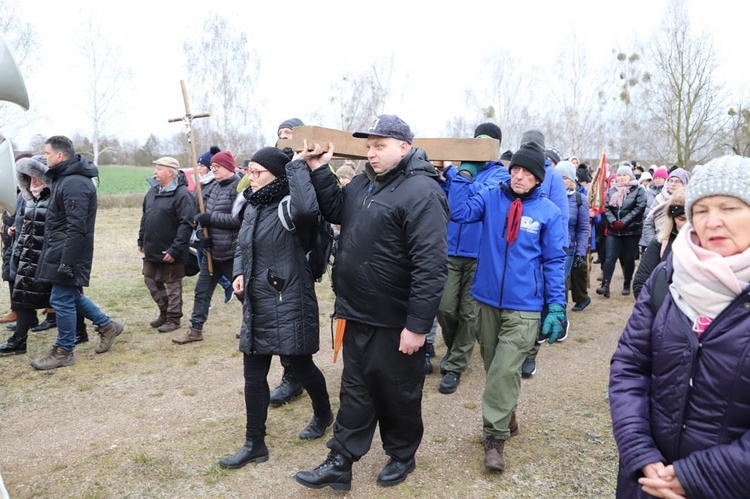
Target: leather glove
x,y
204,219
579,261
618,225
207,243
554,323
65,272
470,168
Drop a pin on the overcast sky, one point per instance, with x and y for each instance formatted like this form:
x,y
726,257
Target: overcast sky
x,y
305,46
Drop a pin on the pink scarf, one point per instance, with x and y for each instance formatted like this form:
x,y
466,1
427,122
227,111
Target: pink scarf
x,y
704,283
621,192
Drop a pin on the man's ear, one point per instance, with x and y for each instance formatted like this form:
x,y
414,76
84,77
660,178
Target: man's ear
x,y
405,147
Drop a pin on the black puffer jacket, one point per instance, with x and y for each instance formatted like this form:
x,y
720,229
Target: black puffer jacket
x,y
71,216
167,221
219,198
630,213
280,309
391,261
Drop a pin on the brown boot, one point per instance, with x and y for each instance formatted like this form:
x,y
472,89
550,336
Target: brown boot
x,y
493,454
159,321
169,326
107,335
189,336
9,317
57,357
513,425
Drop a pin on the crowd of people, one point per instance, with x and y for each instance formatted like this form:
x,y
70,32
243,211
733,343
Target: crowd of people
x,y
490,251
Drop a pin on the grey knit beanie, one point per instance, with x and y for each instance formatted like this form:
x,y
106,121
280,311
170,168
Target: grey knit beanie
x,y
625,169
724,176
533,135
567,169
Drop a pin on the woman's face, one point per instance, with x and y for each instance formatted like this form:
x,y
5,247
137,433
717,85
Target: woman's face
x,y
259,176
36,183
721,223
623,177
673,184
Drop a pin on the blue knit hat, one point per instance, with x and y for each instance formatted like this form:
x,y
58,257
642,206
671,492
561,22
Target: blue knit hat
x,y
205,158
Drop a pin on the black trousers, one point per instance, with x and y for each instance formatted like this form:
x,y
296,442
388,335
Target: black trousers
x,y
379,385
623,248
257,393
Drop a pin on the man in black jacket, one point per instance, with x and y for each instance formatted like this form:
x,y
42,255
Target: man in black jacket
x,y
389,273
163,238
222,218
68,251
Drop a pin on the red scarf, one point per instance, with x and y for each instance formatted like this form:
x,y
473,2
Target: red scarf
x,y
514,220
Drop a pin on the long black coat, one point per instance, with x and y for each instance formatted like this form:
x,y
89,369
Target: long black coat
x,y
69,227
280,309
630,213
167,222
29,292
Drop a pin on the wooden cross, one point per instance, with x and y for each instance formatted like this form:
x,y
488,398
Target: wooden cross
x,y
188,120
346,146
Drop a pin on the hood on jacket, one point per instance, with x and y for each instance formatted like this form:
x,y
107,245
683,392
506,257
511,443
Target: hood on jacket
x,y
77,165
415,162
27,168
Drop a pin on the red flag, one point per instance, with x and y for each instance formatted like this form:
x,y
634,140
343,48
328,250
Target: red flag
x,y
598,190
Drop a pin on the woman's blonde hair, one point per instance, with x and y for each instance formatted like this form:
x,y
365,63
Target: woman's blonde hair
x,y
677,199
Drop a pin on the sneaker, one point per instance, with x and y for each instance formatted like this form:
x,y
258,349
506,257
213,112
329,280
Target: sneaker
x,y
159,321
449,383
189,336
528,368
228,294
493,454
564,335
581,305
168,327
107,335
57,357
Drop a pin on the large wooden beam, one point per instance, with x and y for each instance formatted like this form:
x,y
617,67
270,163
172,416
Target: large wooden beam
x,y
346,146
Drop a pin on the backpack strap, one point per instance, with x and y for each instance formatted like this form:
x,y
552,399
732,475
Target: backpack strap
x,y
285,215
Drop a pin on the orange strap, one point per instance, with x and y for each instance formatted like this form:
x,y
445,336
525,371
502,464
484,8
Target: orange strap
x,y
340,325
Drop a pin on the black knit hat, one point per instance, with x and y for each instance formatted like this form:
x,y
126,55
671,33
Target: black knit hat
x,y
531,157
490,130
272,159
506,155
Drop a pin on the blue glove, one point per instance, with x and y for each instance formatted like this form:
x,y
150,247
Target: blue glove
x,y
554,323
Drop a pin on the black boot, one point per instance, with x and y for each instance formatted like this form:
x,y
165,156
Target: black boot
x,y
317,427
49,322
254,451
603,289
626,288
335,472
81,337
286,391
13,347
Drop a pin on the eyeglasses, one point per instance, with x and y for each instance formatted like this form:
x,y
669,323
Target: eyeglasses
x,y
255,173
674,181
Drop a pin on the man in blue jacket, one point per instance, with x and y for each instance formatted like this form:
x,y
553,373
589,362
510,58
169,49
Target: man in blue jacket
x,y
457,312
519,271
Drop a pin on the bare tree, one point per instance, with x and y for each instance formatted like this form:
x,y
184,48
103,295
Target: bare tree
x,y
359,98
223,72
738,134
685,99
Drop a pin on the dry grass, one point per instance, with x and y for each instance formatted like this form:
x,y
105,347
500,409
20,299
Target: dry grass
x,y
150,418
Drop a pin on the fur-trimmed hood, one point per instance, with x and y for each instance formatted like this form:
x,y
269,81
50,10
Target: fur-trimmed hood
x,y
27,168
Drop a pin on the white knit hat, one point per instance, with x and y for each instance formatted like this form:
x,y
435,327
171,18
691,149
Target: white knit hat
x,y
724,176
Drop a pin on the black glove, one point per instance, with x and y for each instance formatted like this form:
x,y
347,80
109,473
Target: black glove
x,y
579,261
65,272
204,219
207,243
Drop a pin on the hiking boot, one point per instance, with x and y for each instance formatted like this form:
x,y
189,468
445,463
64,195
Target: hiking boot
x,y
9,317
13,347
57,357
286,391
189,336
317,427
82,337
449,383
107,335
581,305
49,322
334,472
603,289
168,327
159,321
528,368
444,361
513,425
493,454
254,451
429,353
396,472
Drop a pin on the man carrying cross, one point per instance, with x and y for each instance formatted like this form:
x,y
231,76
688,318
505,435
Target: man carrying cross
x,y
389,273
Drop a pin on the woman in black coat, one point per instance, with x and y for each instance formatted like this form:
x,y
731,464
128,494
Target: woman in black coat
x,y
625,205
274,280
28,294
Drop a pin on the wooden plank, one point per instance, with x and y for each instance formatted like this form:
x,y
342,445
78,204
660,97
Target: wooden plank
x,y
346,146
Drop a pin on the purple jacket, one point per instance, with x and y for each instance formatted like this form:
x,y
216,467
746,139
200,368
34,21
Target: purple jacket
x,y
682,400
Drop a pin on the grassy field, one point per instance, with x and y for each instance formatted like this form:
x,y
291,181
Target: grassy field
x,y
119,180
